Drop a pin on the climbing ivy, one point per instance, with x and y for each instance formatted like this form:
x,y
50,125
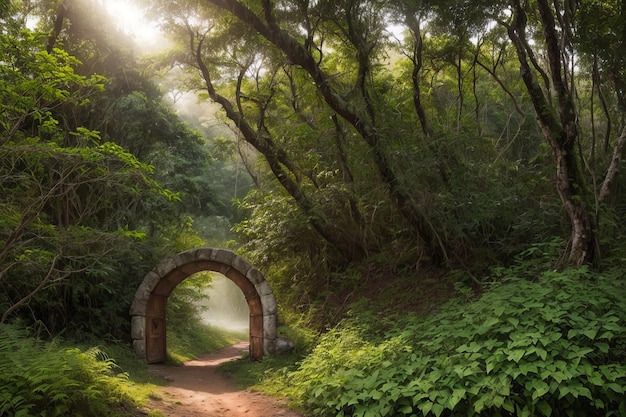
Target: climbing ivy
x,y
551,347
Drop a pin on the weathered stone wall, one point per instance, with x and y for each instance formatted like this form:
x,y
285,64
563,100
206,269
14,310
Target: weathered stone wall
x,y
151,296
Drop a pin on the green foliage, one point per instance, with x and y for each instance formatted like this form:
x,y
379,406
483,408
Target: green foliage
x,y
82,218
187,335
43,379
71,231
554,347
276,238
269,374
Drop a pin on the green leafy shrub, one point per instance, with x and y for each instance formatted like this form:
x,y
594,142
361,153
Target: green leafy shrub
x,y
43,379
555,347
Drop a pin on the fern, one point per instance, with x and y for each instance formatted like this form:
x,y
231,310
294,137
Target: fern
x,y
43,379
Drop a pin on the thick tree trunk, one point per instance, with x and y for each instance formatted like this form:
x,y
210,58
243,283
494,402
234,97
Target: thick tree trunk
x,y
560,129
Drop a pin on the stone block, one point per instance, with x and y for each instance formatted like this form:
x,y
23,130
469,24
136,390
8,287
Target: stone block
x,y
263,288
138,306
283,344
184,258
255,276
139,346
269,304
240,264
204,254
269,346
138,328
269,326
165,267
223,256
151,280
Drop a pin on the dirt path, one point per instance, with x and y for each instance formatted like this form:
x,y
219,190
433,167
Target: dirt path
x,y
198,389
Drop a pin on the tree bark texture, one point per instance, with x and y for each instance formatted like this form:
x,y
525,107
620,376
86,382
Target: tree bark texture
x,y
559,127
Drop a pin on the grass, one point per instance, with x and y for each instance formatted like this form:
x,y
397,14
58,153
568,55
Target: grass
x,y
196,339
249,374
141,384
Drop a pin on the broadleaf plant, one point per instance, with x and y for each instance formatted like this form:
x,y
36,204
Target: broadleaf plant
x,y
551,347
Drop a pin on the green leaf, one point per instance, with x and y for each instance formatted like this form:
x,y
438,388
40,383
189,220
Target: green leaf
x,y
508,405
540,388
526,368
613,327
607,335
544,408
376,395
425,407
523,412
579,353
479,405
590,333
596,379
456,397
516,354
514,321
437,409
603,347
616,387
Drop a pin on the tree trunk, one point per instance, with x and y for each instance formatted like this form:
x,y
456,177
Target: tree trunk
x,y
560,130
418,45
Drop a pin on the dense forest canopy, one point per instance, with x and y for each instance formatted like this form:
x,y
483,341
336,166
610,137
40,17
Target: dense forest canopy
x,y
441,137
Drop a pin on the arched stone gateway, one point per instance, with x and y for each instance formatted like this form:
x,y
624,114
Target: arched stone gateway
x,y
148,307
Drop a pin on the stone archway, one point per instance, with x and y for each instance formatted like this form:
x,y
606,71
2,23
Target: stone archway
x,y
148,322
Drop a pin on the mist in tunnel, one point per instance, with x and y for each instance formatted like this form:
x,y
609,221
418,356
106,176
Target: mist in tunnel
x,y
225,306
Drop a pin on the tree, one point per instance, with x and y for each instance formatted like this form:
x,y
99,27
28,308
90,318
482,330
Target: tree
x,y
436,122
284,70
553,99
71,203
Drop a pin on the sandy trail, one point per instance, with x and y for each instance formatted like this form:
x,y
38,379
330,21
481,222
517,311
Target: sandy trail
x,y
198,389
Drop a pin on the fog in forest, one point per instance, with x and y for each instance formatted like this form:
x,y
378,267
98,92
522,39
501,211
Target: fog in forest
x,y
225,306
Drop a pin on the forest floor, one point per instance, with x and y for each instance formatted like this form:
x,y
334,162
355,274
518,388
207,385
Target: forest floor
x,y
199,389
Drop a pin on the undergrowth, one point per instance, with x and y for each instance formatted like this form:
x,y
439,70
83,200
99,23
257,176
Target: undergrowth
x,y
551,347
44,379
67,378
249,374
